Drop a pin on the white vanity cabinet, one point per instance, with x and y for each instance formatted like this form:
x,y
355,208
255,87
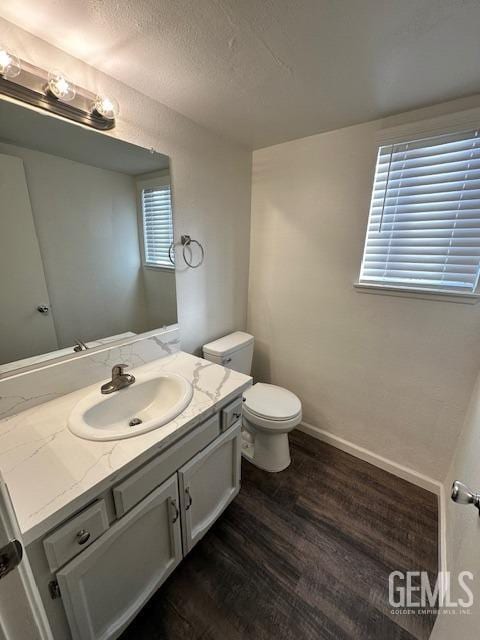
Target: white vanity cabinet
x,y
104,587
99,567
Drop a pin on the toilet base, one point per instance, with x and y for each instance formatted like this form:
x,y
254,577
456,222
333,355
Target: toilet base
x,y
267,452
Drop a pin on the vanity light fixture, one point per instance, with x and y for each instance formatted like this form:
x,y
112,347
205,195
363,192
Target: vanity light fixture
x,y
9,64
54,92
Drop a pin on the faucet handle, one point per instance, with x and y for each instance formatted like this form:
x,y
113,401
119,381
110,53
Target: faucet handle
x,y
119,369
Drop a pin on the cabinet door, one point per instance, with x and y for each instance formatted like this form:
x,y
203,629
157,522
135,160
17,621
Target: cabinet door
x,y
208,483
106,585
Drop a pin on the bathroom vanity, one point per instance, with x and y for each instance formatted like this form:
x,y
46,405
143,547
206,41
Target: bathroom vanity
x,y
109,495
105,523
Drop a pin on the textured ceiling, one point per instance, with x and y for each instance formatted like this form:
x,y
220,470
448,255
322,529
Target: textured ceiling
x,y
265,71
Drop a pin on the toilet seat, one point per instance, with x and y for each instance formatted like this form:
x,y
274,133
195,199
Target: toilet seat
x,y
272,426
271,407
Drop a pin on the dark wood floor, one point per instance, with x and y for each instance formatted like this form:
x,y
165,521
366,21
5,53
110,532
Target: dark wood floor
x,y
303,554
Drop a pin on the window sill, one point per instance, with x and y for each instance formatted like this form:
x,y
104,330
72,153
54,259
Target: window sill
x,y
422,294
159,267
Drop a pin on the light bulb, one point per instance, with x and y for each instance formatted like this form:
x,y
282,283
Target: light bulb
x,y
9,64
60,87
106,107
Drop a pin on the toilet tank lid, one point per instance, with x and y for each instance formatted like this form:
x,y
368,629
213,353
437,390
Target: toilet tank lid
x,y
228,344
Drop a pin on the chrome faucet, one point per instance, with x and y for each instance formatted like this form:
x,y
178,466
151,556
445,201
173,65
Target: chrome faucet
x,y
79,345
119,380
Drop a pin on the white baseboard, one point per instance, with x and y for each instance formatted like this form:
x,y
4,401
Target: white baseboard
x,y
419,479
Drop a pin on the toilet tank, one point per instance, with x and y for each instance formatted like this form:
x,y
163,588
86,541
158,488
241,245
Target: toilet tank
x,y
234,351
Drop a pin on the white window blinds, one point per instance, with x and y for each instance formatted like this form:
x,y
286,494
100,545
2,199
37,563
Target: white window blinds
x,y
424,225
157,225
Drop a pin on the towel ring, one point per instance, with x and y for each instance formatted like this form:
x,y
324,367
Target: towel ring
x,y
186,242
171,252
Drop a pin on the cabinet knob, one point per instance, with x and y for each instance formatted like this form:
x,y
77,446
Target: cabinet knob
x,y
83,536
189,503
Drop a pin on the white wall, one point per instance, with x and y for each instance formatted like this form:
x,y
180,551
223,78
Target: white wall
x,y
211,191
390,374
463,528
160,296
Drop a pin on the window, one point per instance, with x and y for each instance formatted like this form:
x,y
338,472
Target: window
x,y
157,225
424,225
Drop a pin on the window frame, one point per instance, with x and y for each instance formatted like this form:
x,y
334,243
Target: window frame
x,y
442,125
160,180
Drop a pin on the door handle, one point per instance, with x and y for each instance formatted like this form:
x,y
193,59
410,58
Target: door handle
x,y
463,495
177,513
10,557
43,308
189,503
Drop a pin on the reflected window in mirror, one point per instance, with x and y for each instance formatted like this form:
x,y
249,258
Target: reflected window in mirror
x,y
156,221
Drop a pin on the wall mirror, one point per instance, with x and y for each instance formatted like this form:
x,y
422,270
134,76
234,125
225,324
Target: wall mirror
x,y
85,228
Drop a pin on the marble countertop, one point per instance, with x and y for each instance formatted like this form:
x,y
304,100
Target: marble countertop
x,y
51,473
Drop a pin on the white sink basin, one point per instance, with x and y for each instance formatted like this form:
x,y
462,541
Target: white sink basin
x,y
150,402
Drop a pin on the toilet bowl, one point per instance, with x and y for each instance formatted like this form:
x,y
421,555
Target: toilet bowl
x,y
269,412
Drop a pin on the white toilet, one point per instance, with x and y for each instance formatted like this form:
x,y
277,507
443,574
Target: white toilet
x,y
269,412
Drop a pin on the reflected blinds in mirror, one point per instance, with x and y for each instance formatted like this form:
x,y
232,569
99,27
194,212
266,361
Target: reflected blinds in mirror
x,y
157,225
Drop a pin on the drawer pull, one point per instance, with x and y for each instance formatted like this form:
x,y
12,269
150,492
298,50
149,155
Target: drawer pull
x,y
83,536
236,416
177,512
189,504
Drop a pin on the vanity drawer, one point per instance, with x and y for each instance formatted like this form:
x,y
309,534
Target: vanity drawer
x,y
231,413
130,492
77,534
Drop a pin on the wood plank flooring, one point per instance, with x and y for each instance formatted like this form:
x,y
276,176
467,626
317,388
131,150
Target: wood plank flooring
x,y
303,554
